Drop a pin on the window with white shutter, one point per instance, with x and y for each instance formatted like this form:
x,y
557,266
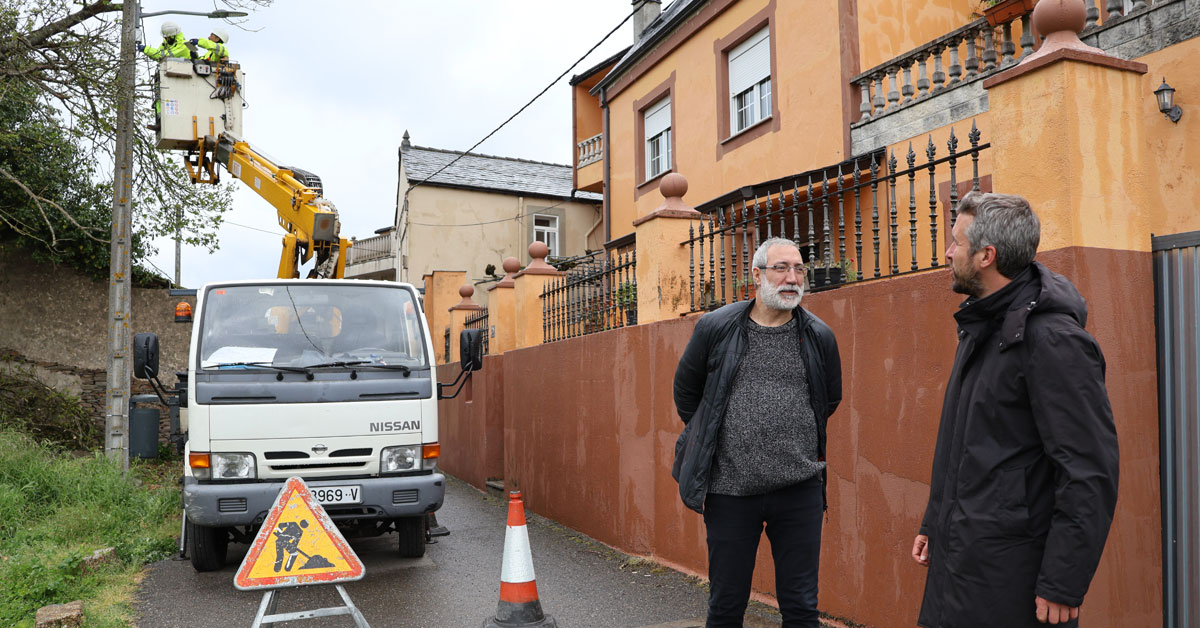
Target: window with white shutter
x,y
750,81
657,130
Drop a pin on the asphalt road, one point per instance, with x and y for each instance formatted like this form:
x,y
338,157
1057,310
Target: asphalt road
x,y
581,583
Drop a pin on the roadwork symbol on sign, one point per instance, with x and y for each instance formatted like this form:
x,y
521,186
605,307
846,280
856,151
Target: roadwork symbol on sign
x,y
297,545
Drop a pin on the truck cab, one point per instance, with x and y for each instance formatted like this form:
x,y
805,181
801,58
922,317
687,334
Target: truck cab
x,y
329,380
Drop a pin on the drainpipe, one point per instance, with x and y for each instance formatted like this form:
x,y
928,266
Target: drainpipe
x,y
607,167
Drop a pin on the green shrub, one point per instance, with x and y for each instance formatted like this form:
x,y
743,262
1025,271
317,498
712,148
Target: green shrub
x,y
56,509
28,405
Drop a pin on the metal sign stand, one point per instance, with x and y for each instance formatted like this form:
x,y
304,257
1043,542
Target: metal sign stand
x,y
266,611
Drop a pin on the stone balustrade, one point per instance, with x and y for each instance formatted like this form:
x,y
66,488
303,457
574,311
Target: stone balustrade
x,y
591,150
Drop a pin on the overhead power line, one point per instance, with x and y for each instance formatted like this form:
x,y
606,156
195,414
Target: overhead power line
x,y
491,222
526,106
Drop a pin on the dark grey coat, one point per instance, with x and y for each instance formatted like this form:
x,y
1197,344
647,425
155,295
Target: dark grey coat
x,y
1024,478
706,371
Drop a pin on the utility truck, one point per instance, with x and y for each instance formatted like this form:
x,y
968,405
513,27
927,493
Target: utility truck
x,y
327,379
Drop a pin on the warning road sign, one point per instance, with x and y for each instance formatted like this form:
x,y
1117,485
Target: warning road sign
x,y
297,545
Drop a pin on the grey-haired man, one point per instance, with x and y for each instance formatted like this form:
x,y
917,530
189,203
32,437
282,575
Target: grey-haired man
x,y
755,388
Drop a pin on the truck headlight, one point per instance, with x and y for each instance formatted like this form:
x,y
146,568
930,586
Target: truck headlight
x,y
402,458
229,466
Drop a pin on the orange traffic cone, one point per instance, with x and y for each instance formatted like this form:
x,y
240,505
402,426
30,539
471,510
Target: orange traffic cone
x,y
519,604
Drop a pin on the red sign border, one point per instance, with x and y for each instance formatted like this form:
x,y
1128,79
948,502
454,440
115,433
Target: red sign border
x,y
244,582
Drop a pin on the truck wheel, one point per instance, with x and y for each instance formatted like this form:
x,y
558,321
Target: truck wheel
x,y
412,536
207,546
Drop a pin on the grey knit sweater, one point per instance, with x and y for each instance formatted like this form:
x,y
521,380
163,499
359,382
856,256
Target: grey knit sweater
x,y
768,439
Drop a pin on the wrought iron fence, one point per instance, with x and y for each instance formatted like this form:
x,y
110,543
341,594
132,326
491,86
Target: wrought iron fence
x,y
480,321
823,212
447,353
595,294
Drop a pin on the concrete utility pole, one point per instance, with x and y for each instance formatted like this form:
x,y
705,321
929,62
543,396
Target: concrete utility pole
x,y
116,415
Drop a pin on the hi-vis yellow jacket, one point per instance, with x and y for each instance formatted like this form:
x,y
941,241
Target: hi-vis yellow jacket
x,y
172,47
217,51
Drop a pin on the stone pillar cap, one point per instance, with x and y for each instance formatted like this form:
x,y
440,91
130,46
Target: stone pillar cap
x,y
538,251
672,186
511,265
466,291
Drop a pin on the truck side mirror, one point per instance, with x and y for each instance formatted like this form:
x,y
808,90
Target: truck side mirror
x,y
145,356
470,349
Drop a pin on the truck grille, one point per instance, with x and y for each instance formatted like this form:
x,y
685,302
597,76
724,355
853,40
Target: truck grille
x,y
231,504
406,496
327,465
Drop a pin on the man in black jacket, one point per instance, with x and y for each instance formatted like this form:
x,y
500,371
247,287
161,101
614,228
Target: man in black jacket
x,y
755,388
1024,479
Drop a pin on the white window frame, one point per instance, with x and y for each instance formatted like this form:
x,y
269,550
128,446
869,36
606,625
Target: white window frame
x,y
656,124
547,234
750,89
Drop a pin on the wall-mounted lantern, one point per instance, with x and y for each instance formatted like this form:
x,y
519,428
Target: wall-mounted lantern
x,y
1166,101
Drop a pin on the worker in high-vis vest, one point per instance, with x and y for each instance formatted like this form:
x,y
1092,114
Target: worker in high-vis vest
x,y
218,52
174,44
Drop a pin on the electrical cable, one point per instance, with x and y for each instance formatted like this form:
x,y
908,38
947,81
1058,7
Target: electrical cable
x,y
230,222
491,222
534,99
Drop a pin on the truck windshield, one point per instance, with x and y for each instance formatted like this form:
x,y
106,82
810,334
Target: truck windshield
x,y
295,325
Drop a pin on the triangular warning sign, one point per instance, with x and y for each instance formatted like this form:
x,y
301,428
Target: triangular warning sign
x,y
297,545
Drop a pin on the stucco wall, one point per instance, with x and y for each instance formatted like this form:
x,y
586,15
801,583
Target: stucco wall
x,y
490,227
598,460
807,90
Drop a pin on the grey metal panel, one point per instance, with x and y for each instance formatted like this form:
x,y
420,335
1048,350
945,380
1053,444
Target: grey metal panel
x,y
1177,304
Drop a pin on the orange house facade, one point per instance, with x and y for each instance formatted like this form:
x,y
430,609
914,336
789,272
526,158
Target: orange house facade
x,y
853,126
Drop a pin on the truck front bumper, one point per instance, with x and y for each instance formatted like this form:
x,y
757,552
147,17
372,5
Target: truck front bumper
x,y
220,504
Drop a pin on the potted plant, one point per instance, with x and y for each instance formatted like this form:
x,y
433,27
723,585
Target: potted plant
x,y
828,273
626,299
998,12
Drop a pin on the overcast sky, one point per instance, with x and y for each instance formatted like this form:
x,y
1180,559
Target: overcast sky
x,y
331,88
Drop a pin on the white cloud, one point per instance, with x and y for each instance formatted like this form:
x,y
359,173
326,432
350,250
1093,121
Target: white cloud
x,y
332,87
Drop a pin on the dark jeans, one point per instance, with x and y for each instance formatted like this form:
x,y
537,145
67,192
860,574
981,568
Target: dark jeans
x,y
734,524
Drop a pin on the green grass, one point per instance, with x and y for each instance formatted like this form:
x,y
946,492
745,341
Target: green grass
x,y
56,509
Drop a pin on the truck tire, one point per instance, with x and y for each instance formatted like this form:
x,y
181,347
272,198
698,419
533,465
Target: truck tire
x,y
207,546
412,536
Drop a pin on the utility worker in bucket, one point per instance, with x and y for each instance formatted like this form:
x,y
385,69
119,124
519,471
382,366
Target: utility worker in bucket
x,y
218,52
174,44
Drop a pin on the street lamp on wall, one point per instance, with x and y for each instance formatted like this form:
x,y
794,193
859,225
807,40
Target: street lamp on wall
x,y
1166,102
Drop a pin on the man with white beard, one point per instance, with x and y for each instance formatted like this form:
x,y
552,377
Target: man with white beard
x,y
755,388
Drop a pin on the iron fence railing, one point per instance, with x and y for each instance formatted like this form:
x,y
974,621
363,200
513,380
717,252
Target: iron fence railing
x,y
824,212
595,294
480,321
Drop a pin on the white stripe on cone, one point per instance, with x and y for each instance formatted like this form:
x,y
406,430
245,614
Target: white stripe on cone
x,y
518,560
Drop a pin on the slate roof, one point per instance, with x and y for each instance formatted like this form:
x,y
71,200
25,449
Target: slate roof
x,y
486,172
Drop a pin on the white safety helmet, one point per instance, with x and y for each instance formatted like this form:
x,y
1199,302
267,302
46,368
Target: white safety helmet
x,y
170,29
222,33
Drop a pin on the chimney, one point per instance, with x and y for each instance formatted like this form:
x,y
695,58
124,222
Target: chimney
x,y
646,11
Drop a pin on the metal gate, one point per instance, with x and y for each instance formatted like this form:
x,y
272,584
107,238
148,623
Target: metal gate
x,y
1177,318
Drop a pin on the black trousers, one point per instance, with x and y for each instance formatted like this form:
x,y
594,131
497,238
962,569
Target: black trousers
x,y
792,516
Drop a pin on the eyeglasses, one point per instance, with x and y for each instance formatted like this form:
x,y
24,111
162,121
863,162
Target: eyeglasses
x,y
783,268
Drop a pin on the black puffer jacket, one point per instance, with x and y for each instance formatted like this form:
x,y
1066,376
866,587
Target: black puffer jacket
x,y
706,371
1024,476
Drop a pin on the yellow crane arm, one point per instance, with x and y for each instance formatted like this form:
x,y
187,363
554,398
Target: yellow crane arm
x,y
310,221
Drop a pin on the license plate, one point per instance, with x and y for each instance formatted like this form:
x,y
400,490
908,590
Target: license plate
x,y
337,494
